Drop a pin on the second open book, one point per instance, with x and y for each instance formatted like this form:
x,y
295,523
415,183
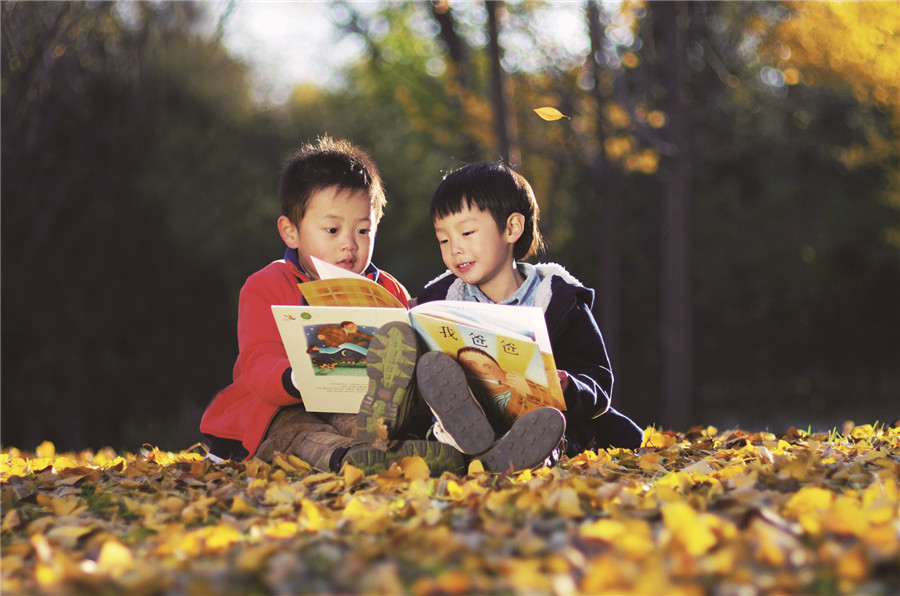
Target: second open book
x,y
505,350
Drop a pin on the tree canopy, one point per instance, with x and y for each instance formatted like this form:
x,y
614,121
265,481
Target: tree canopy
x,y
140,176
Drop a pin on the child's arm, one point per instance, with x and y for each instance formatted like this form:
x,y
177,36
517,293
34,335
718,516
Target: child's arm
x,y
262,359
580,353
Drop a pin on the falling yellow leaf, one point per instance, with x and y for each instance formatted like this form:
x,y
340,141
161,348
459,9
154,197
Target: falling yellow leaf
x,y
549,114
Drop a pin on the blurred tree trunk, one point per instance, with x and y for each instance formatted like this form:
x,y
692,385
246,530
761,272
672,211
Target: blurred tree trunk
x,y
456,47
507,143
460,67
671,22
606,181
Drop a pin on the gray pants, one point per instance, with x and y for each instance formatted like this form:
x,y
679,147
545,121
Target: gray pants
x,y
313,437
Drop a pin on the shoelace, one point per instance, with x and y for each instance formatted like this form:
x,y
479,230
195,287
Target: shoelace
x,y
440,434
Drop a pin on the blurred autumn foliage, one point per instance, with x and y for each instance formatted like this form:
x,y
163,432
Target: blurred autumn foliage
x,y
727,178
701,512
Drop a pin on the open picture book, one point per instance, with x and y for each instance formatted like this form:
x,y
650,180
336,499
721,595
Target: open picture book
x,y
505,350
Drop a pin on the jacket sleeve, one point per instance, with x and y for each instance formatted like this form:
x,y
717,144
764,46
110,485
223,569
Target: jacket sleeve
x,y
262,360
580,351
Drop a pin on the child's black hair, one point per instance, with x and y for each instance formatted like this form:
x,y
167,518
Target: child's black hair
x,y
324,164
497,189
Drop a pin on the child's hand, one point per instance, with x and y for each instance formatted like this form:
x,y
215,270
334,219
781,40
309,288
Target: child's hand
x,y
517,382
563,379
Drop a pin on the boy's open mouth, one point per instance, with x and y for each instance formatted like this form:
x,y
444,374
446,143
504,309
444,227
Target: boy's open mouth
x,y
465,266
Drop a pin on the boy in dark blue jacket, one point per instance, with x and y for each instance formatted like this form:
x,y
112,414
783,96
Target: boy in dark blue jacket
x,y
486,221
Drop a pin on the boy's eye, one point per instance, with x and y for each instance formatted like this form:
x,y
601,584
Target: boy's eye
x,y
331,230
442,241
469,233
364,231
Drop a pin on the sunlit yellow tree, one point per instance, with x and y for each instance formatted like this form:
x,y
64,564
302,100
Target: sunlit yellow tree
x,y
853,46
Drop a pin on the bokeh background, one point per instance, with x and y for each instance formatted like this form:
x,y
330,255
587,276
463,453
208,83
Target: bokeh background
x,y
726,176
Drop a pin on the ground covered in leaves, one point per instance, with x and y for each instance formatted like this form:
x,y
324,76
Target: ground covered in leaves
x,y
705,512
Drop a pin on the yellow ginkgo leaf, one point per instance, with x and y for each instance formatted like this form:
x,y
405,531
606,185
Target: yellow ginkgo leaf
x,y
46,449
608,530
352,475
115,558
241,507
414,468
65,505
549,114
285,529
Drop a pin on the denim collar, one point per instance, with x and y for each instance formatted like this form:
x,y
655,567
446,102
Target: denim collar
x,y
523,296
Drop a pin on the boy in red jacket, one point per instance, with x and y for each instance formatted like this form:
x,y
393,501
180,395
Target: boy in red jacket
x,y
332,200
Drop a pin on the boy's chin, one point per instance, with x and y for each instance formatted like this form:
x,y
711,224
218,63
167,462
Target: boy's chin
x,y
357,268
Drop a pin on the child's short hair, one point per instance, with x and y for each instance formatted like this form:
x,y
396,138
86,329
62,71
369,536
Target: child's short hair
x,y
324,164
498,189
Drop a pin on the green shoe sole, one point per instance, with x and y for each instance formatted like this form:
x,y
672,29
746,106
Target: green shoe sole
x,y
390,365
439,457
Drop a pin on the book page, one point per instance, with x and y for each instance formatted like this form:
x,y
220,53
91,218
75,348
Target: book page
x,y
338,287
328,271
348,291
327,348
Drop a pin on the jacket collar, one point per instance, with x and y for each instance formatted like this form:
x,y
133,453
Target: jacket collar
x,y
543,293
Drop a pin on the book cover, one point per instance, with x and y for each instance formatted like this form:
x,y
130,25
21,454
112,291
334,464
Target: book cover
x,y
505,350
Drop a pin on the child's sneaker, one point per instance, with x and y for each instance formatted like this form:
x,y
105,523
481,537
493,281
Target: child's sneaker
x,y
439,457
390,365
461,421
531,440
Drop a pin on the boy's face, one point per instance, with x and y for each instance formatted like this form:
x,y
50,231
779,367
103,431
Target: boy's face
x,y
338,228
479,253
481,365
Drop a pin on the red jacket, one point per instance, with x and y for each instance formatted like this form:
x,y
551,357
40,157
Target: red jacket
x,y
240,414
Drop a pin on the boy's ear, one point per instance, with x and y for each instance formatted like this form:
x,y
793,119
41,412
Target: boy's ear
x,y
289,232
515,227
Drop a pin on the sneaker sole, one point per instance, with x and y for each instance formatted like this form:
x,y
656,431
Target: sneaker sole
x,y
439,457
444,387
390,365
532,439
368,459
